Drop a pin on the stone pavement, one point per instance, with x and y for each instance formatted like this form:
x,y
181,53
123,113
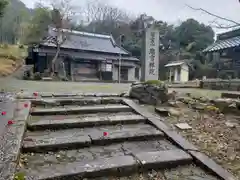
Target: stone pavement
x,y
6,110
76,137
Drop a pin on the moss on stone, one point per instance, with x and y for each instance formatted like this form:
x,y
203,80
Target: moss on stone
x,y
154,82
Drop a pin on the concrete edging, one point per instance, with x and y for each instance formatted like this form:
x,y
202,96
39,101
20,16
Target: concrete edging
x,y
12,139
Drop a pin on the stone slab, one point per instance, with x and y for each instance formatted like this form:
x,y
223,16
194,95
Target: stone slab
x,y
85,122
138,109
22,110
231,95
37,160
81,170
125,133
208,163
54,142
76,101
179,140
70,138
133,147
83,109
64,94
163,159
162,111
183,126
158,124
172,135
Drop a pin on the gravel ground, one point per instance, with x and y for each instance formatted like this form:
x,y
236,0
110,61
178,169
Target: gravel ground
x,y
210,134
14,85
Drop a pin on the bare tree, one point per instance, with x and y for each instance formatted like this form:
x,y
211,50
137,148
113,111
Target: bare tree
x,y
103,17
62,13
215,23
100,11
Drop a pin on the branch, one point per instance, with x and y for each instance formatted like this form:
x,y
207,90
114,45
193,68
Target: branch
x,y
236,24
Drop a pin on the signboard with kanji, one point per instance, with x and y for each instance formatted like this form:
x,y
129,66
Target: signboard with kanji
x,y
151,54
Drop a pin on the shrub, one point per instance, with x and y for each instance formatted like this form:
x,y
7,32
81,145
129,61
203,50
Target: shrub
x,y
21,46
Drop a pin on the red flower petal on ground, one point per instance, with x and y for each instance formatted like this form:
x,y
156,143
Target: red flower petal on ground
x,y
105,133
10,122
4,113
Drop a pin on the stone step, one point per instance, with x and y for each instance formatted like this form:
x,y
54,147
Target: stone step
x,y
80,109
39,141
76,101
163,159
116,165
86,122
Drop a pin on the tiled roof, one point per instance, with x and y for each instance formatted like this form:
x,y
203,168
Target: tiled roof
x,y
223,44
176,63
89,56
90,42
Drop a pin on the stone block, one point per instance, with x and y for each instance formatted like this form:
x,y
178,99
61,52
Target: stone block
x,y
136,118
163,159
85,122
40,143
83,109
125,132
179,140
101,167
64,94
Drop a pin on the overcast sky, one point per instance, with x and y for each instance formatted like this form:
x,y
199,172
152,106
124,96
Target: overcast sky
x,y
174,11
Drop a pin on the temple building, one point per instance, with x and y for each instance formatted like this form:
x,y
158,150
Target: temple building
x,y
86,56
225,51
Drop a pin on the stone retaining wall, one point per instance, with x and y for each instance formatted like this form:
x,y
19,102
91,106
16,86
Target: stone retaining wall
x,y
220,84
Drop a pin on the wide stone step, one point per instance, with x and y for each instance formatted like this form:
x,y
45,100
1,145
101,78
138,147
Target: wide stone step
x,y
112,165
76,101
80,109
80,137
85,122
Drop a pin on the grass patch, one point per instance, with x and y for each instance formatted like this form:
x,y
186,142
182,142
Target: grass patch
x,y
154,82
11,56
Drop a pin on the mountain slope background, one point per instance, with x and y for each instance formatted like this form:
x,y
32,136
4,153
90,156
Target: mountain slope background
x,y
11,23
11,54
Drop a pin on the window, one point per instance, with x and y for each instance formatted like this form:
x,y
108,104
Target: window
x,y
106,67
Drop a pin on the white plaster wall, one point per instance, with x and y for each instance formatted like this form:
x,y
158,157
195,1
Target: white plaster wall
x,y
175,74
131,74
184,73
115,73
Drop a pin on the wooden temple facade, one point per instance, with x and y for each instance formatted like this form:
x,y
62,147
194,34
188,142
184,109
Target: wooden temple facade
x,y
225,51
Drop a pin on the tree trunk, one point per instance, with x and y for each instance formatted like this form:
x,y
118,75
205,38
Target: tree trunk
x,y
54,61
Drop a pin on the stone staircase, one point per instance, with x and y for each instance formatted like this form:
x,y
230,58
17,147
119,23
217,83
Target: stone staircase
x,y
88,137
